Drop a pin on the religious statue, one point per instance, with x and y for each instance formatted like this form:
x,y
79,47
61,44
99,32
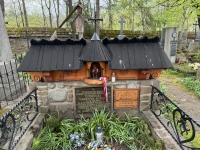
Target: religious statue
x,y
95,70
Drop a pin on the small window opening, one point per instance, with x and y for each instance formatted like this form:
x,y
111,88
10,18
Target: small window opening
x,y
95,70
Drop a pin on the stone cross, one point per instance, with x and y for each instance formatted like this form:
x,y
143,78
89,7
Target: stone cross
x,y
121,21
5,49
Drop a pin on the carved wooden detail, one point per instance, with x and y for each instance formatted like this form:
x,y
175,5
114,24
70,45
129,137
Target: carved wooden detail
x,y
84,74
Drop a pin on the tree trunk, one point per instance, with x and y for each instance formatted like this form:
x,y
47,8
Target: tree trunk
x,y
21,13
16,18
44,17
56,9
110,14
2,6
49,10
25,13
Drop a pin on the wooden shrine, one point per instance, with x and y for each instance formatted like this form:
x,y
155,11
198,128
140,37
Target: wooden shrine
x,y
70,60
78,60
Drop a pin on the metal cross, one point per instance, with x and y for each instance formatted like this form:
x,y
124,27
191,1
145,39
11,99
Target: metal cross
x,y
121,21
195,31
95,21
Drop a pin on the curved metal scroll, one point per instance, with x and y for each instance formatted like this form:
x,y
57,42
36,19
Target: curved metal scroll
x,y
177,122
16,121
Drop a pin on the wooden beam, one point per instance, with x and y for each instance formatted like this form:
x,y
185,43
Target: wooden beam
x,y
66,19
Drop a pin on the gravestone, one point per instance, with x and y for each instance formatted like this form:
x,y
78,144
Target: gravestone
x,y
182,42
169,41
5,48
193,47
121,35
197,38
9,79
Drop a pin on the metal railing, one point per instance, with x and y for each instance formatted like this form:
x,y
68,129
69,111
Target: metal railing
x,y
177,122
12,83
17,120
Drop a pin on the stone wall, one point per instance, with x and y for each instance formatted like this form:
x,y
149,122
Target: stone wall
x,y
19,41
59,96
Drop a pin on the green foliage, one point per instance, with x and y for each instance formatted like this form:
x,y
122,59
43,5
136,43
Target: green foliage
x,y
192,84
130,131
163,88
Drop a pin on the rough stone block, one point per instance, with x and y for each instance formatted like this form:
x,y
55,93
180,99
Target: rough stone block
x,y
146,82
42,88
64,106
41,93
70,99
31,86
70,95
59,95
52,107
145,90
43,109
156,83
145,97
70,91
144,103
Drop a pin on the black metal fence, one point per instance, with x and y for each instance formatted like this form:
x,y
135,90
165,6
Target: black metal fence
x,y
178,123
16,121
12,83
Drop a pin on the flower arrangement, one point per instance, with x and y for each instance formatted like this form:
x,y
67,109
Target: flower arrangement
x,y
194,65
77,139
99,145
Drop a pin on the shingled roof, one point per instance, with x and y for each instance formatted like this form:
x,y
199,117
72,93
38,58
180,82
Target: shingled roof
x,y
53,55
126,54
95,51
136,54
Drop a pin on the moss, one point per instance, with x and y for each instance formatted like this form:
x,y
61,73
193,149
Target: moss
x,y
3,111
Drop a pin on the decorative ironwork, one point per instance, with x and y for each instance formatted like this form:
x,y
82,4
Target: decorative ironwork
x,y
17,120
177,122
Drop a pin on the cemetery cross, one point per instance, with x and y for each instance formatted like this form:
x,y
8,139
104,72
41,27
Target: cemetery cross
x,y
121,21
95,21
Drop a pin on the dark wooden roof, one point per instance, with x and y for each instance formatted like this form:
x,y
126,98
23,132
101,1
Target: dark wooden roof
x,y
125,54
137,53
53,55
95,51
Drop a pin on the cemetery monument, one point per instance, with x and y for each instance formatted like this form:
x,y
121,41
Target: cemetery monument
x,y
76,75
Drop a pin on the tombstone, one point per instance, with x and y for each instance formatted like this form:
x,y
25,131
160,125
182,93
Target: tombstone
x,y
5,48
121,35
170,36
197,38
182,42
193,47
9,79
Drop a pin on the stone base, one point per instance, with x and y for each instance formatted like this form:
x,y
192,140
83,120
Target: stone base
x,y
61,96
